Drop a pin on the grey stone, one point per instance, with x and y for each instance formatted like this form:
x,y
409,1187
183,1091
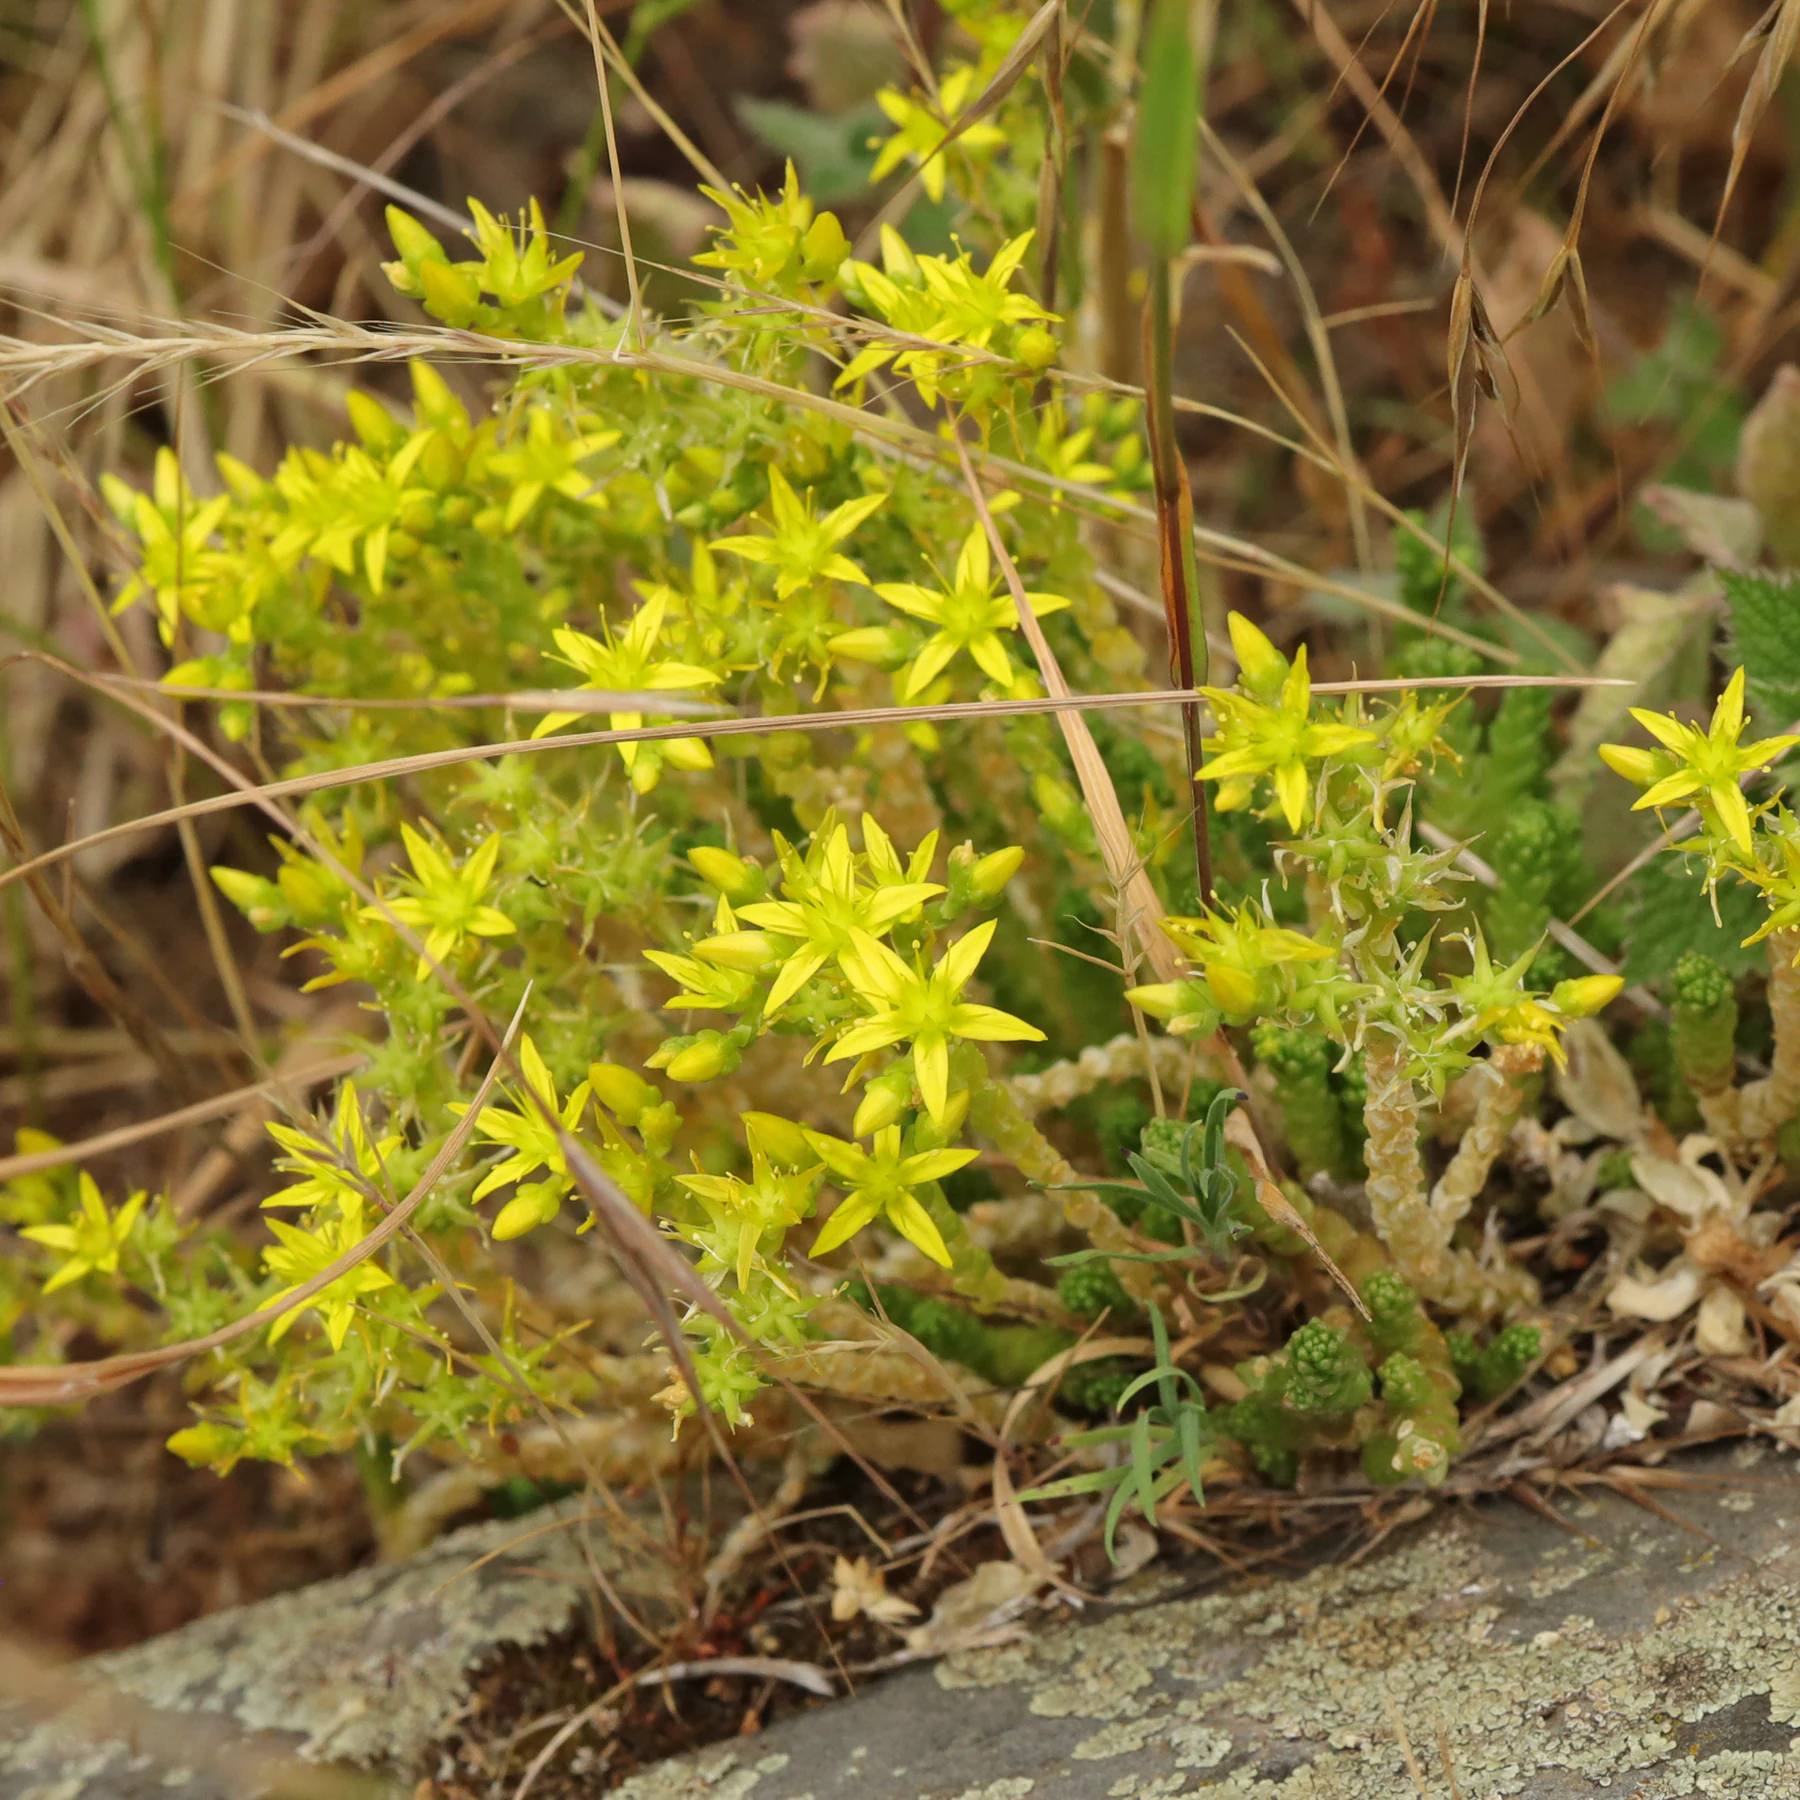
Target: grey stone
x,y
366,1669
1637,1660
1633,1657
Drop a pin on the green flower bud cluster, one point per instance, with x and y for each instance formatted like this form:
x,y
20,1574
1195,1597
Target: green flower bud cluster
x,y
1327,1374
1490,1372
1092,1290
1703,1024
1536,851
1311,1117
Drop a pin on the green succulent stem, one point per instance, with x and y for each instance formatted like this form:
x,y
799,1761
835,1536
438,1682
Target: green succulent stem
x,y
1300,1062
1703,1037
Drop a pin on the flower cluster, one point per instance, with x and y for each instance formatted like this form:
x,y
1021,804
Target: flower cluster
x,y
788,992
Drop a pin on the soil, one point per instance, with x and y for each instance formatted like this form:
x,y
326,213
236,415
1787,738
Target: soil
x,y
778,1608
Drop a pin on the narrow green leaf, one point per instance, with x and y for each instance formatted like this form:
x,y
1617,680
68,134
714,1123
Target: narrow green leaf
x,y
1187,1428
1115,1511
1167,139
1073,1259
1143,1468
1096,1481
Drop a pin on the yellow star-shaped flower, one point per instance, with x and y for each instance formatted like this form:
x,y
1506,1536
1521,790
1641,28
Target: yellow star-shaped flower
x,y
1278,740
1699,766
925,1009
969,617
878,1183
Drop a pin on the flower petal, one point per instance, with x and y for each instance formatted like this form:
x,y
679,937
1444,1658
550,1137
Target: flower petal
x,y
796,972
914,1224
934,1165
1669,790
861,1040
931,1068
988,1024
1290,790
963,957
1668,731
1734,812
846,1221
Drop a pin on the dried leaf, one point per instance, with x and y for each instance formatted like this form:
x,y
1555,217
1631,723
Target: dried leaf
x,y
1639,1413
1686,1188
973,1611
1714,528
1659,1301
1015,1527
1135,1547
1722,1327
1597,1086
1565,279
1777,30
1463,363
859,1587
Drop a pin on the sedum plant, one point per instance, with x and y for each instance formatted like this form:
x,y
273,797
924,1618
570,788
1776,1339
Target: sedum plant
x,y
644,690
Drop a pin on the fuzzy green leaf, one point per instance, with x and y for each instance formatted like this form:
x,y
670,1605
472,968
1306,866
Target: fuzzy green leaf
x,y
1765,632
1669,917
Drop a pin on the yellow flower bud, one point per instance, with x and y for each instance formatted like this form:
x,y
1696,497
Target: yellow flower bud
x,y
1161,1001
1639,766
1036,347
1233,989
371,421
882,1104
258,899
534,1205
739,880
204,1445
623,1092
1584,995
824,248
411,239
779,1140
450,294
744,950
1261,667
883,645
988,878
703,1060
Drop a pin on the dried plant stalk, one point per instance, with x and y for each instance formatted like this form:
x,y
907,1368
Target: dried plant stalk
x,y
1417,1237
867,1360
1121,1058
1768,1104
1508,1071
997,1116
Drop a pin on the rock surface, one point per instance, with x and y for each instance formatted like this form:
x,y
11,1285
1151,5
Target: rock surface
x,y
365,1669
1634,1656
1637,1659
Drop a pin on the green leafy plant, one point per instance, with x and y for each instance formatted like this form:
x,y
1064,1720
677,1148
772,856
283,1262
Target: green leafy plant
x,y
1163,1444
691,689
